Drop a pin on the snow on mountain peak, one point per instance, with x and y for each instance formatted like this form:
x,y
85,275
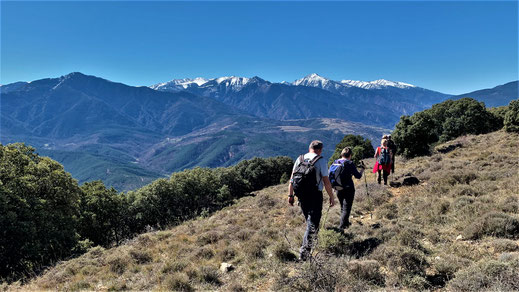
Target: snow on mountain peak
x,y
376,84
311,80
180,83
233,80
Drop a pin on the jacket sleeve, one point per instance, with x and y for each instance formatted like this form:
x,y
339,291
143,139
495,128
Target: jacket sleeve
x,y
355,172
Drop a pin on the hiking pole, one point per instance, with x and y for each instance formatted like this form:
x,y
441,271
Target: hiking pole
x,y
367,194
326,216
315,240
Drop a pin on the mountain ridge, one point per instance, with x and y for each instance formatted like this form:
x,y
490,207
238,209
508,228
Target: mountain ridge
x,y
153,132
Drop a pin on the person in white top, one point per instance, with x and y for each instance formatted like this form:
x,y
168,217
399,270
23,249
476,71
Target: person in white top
x,y
309,192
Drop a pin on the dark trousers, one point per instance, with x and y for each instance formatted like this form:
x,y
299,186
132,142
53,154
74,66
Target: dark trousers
x,y
385,174
345,198
312,207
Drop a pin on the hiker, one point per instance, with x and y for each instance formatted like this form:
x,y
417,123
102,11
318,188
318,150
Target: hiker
x,y
383,157
309,175
340,175
391,144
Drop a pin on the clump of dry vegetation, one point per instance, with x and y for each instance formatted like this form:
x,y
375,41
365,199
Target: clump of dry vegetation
x,y
457,230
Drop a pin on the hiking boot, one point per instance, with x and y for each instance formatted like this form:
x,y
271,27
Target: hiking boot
x,y
345,226
303,257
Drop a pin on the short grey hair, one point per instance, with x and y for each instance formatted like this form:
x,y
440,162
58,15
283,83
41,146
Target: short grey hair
x,y
316,145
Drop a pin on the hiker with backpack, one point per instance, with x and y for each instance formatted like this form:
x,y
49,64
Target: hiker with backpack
x,y
391,144
340,174
309,175
384,158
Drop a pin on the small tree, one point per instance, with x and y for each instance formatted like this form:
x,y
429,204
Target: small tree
x,y
101,212
511,121
361,148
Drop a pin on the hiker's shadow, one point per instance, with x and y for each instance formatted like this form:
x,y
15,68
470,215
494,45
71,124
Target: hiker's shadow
x,y
357,248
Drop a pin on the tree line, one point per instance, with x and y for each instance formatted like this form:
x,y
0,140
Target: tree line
x,y
45,216
415,135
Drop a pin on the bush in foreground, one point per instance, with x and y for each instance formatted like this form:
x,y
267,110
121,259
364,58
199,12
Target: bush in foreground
x,y
511,120
38,211
489,275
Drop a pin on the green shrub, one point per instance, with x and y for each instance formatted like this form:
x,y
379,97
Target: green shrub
x,y
118,263
442,122
404,261
209,237
38,211
209,274
332,241
176,266
511,120
488,275
178,282
493,224
505,245
367,270
448,265
283,253
101,214
205,252
141,256
254,248
361,148
388,211
228,253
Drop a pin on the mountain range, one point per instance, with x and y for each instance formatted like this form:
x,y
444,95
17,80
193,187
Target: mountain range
x,y
497,96
379,102
128,136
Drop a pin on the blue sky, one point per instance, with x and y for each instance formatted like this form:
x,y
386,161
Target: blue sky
x,y
453,47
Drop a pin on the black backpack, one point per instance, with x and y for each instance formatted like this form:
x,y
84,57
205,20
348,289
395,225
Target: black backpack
x,y
304,178
384,157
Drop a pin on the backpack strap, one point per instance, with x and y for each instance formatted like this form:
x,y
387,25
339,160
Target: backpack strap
x,y
313,161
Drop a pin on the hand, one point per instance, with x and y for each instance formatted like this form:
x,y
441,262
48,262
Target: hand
x,y
332,201
291,200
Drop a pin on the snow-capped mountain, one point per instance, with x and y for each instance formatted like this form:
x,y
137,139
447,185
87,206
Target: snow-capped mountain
x,y
276,100
376,84
232,82
179,84
314,80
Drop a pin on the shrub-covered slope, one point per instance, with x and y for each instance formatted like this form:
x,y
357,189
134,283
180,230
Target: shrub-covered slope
x,y
457,230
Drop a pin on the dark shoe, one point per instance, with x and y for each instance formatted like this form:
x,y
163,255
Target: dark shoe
x,y
345,226
303,257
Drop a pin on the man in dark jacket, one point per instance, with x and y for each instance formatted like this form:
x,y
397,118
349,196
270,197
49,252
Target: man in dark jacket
x,y
346,192
391,145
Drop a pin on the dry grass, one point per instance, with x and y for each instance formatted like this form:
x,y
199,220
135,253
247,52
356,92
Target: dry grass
x,y
460,221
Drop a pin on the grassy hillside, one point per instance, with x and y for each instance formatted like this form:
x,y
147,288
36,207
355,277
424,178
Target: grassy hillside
x,y
457,230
